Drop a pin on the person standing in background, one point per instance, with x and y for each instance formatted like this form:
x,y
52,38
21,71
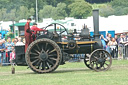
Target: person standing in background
x,y
27,33
8,45
2,52
0,36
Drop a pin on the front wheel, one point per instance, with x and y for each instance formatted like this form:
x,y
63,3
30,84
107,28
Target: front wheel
x,y
100,60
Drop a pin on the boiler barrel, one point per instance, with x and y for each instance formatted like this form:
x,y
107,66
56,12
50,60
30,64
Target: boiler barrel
x,y
81,49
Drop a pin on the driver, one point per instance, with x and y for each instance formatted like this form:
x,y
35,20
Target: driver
x,y
34,30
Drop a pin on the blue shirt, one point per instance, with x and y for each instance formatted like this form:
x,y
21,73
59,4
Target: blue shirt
x,y
2,46
9,45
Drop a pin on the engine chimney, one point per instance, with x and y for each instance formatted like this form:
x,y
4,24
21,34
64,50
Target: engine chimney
x,y
96,23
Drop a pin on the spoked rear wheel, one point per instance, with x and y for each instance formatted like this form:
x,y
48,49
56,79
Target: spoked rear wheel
x,y
100,60
43,56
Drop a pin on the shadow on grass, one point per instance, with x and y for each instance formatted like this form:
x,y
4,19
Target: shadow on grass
x,y
71,70
64,70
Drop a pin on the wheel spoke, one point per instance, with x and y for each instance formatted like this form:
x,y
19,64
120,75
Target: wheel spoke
x,y
46,46
100,54
35,61
52,51
87,59
43,65
103,67
47,51
52,55
37,51
33,53
48,65
42,50
50,62
40,65
106,64
53,59
38,47
61,32
34,57
96,65
95,57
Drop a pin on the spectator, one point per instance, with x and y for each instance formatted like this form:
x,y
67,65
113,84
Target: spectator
x,y
103,41
117,40
8,45
112,45
108,38
12,55
24,40
0,36
19,42
2,52
122,41
14,41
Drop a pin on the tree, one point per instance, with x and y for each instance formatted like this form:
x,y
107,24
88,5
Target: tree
x,y
121,3
60,11
80,9
106,10
31,12
3,14
23,12
120,7
12,14
46,12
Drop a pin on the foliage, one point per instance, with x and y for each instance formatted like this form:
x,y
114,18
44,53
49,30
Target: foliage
x,y
58,12
120,7
80,9
98,1
58,9
46,12
106,11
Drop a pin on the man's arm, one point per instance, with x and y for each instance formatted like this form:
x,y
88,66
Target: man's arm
x,y
38,29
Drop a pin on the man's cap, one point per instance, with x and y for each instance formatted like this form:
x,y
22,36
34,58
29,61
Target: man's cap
x,y
29,19
34,24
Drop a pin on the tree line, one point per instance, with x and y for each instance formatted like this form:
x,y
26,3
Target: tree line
x,y
59,9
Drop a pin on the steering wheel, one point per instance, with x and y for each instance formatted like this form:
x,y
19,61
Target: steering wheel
x,y
61,30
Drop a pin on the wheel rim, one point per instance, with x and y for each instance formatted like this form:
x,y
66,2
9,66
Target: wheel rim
x,y
43,56
100,60
86,61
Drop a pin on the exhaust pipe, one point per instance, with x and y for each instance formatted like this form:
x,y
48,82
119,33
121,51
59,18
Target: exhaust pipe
x,y
96,24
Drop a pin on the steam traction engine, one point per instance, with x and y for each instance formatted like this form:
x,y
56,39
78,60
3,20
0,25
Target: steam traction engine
x,y
53,48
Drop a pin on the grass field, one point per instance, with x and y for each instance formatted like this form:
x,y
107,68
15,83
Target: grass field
x,y
69,74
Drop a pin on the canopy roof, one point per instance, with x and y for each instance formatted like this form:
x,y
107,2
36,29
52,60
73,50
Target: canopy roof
x,y
20,24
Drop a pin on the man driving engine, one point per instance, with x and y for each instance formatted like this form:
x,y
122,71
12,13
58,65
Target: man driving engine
x,y
34,30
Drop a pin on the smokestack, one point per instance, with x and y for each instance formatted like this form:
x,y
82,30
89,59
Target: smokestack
x,y
96,23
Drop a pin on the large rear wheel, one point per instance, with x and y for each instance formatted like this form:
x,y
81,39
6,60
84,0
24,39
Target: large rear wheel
x,y
43,56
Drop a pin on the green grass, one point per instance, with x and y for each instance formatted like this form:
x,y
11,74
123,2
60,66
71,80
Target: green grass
x,y
68,74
